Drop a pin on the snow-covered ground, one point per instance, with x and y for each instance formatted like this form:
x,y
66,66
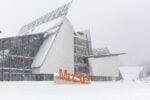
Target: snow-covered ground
x,y
95,91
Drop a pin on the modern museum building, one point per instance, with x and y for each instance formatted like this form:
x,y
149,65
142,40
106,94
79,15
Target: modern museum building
x,y
50,43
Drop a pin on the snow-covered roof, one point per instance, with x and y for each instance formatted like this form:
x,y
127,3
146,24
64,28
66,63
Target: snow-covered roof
x,y
50,23
130,73
49,17
7,35
108,55
49,27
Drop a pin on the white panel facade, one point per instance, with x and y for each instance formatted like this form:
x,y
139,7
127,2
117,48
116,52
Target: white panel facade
x,y
104,66
61,52
43,51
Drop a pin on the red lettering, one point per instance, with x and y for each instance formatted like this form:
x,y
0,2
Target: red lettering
x,y
76,77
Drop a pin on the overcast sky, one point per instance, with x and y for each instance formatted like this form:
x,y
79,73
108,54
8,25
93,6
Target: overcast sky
x,y
120,25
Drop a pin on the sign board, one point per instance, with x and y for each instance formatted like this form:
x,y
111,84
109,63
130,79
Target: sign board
x,y
64,77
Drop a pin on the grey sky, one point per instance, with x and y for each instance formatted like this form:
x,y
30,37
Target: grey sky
x,y
120,25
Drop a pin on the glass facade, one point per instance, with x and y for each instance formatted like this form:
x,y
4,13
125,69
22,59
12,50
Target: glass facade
x,y
82,46
16,56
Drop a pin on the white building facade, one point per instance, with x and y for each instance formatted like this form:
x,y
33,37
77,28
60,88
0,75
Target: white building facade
x,y
104,68
56,52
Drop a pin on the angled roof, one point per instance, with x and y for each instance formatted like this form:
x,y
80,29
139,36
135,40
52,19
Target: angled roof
x,y
49,17
130,73
109,55
44,26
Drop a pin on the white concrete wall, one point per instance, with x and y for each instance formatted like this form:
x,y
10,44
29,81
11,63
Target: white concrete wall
x,y
104,66
61,52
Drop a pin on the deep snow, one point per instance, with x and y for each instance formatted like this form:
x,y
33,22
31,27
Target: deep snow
x,y
95,91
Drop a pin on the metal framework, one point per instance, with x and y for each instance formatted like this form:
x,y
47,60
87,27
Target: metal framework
x,y
17,54
62,11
